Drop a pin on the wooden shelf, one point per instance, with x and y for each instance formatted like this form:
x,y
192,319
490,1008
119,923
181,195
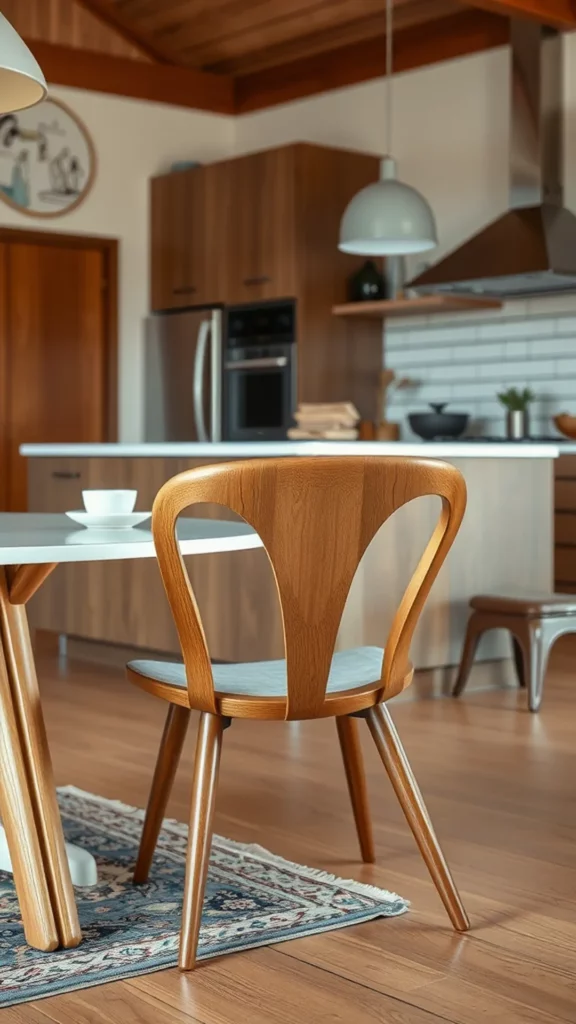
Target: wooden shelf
x,y
427,305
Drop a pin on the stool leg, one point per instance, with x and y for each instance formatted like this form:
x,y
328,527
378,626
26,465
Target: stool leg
x,y
540,643
535,638
473,633
519,661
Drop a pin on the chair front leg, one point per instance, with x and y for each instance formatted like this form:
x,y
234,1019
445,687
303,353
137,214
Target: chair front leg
x,y
204,784
406,788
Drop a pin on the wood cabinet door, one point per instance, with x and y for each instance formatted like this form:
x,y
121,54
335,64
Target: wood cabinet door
x,y
251,218
55,387
178,241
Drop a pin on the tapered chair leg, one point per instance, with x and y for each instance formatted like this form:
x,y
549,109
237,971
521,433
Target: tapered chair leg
x,y
474,631
353,765
173,737
204,785
406,788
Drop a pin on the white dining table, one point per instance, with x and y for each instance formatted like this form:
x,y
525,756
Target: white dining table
x,y
31,547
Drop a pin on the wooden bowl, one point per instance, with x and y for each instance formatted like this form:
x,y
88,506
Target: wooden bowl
x,y
566,424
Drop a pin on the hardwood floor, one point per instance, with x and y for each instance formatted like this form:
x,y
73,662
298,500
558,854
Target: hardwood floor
x,y
501,788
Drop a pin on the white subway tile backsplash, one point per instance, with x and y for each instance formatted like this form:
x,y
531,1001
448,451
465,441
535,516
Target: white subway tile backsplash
x,y
443,335
534,327
414,357
518,371
467,358
565,368
479,352
566,325
553,346
514,349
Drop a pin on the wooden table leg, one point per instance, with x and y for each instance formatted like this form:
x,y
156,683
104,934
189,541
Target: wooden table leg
x,y
19,823
34,747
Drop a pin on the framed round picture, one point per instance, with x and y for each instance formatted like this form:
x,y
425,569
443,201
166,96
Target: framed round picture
x,y
47,160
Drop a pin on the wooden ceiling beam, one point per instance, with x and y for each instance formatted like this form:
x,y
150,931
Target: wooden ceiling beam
x,y
138,79
456,36
112,16
557,13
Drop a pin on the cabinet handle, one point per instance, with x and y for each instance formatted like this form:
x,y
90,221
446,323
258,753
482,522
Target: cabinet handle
x,y
257,280
186,290
60,474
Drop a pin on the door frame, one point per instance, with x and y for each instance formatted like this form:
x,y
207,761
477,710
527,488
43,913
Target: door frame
x,y
109,249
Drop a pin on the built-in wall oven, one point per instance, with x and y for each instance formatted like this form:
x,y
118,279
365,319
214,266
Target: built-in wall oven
x,y
259,371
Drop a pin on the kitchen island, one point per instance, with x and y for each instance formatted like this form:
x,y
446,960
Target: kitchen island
x,y
506,540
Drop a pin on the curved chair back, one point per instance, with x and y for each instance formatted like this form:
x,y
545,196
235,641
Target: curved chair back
x,y
316,517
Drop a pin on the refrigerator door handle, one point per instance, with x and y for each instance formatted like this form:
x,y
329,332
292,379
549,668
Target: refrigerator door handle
x,y
198,382
216,376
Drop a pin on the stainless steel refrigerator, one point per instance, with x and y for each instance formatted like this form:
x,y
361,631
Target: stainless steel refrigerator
x,y
183,376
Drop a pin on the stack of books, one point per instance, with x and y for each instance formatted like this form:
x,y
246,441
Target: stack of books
x,y
328,421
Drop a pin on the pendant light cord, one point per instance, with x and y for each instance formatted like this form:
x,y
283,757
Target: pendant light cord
x,y
389,73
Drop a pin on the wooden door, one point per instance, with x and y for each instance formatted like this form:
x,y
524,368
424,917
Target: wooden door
x,y
55,351
258,242
178,241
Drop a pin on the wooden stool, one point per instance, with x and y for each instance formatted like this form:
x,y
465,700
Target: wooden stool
x,y
535,623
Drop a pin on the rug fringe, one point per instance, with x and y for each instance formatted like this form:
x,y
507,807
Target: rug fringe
x,y
317,874
257,852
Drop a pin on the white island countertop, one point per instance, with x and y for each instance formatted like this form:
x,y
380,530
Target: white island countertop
x,y
270,449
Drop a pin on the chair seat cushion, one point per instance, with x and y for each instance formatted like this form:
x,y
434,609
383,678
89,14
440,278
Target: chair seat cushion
x,y
527,603
350,669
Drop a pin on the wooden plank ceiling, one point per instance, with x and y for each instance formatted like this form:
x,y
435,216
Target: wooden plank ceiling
x,y
254,53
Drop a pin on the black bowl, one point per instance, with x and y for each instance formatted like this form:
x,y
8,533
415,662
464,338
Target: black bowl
x,y
438,424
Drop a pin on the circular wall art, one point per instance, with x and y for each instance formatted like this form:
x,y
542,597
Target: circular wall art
x,y
47,159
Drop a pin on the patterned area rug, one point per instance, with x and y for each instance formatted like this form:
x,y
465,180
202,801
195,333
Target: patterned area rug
x,y
253,899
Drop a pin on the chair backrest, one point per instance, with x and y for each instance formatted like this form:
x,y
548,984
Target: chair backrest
x,y
316,517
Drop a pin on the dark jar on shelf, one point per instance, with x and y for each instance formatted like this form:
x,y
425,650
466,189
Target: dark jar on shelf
x,y
367,284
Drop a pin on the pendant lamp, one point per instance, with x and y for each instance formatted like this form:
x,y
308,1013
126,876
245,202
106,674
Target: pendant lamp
x,y
22,83
388,218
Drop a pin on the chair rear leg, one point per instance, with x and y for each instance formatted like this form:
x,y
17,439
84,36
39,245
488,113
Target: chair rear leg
x,y
353,765
204,785
406,788
171,745
474,631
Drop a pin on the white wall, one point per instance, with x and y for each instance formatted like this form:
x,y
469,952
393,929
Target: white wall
x,y
134,140
450,134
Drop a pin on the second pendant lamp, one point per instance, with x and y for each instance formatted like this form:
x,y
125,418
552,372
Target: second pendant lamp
x,y
388,218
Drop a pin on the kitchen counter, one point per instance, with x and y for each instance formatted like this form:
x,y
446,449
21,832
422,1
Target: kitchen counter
x,y
270,449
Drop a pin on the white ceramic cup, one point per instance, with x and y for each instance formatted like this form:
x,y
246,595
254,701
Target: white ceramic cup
x,y
102,502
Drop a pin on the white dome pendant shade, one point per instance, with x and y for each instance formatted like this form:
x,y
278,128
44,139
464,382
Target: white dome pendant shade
x,y
22,83
387,218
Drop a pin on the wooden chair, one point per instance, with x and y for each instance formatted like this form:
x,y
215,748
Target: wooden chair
x,y
316,517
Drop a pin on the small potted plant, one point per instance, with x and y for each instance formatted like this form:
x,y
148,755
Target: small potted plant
x,y
517,404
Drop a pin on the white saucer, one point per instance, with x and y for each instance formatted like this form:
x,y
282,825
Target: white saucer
x,y
109,520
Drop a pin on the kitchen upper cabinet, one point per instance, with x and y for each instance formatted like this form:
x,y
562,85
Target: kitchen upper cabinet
x,y
262,249
225,232
178,215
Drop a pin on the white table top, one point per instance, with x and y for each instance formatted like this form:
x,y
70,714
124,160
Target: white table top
x,y
37,538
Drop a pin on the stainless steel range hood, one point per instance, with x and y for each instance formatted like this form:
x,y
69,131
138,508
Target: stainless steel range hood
x,y
531,249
